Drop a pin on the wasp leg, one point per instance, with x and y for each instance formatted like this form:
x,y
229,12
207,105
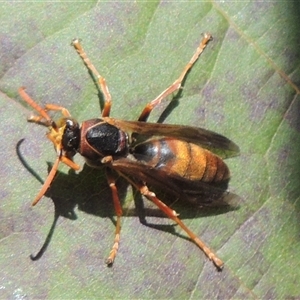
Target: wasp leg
x,y
118,209
174,216
177,83
101,80
55,107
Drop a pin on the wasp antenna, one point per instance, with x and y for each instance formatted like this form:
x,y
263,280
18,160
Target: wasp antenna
x,y
47,182
33,104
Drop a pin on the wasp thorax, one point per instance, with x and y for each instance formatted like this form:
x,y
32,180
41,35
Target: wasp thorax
x,y
100,139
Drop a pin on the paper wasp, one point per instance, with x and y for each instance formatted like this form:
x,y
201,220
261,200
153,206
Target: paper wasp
x,y
184,161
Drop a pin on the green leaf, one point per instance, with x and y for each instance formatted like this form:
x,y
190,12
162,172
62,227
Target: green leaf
x,y
244,86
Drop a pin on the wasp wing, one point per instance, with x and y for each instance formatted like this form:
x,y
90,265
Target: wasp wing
x,y
207,139
197,192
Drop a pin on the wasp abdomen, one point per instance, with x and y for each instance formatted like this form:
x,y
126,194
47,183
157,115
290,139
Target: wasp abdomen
x,y
182,158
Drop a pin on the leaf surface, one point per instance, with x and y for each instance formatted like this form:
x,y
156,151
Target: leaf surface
x,y
244,86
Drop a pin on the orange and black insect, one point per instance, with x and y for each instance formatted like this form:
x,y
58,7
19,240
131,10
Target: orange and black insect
x,y
184,161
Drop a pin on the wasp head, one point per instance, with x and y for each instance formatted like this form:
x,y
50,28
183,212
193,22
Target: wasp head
x,y
64,134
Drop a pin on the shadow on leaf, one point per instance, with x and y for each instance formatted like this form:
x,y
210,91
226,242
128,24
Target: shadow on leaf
x,y
88,190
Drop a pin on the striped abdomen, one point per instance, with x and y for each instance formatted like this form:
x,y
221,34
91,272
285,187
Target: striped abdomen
x,y
185,159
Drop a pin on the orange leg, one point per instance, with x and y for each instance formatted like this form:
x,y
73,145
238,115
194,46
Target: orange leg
x,y
118,210
174,216
70,163
55,107
101,80
177,83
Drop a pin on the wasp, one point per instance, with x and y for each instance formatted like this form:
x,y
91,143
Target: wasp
x,y
184,161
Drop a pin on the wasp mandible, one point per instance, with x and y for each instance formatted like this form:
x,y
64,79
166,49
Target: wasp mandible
x,y
184,161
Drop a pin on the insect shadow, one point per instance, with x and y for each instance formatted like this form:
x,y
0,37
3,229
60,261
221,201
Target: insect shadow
x,y
89,192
